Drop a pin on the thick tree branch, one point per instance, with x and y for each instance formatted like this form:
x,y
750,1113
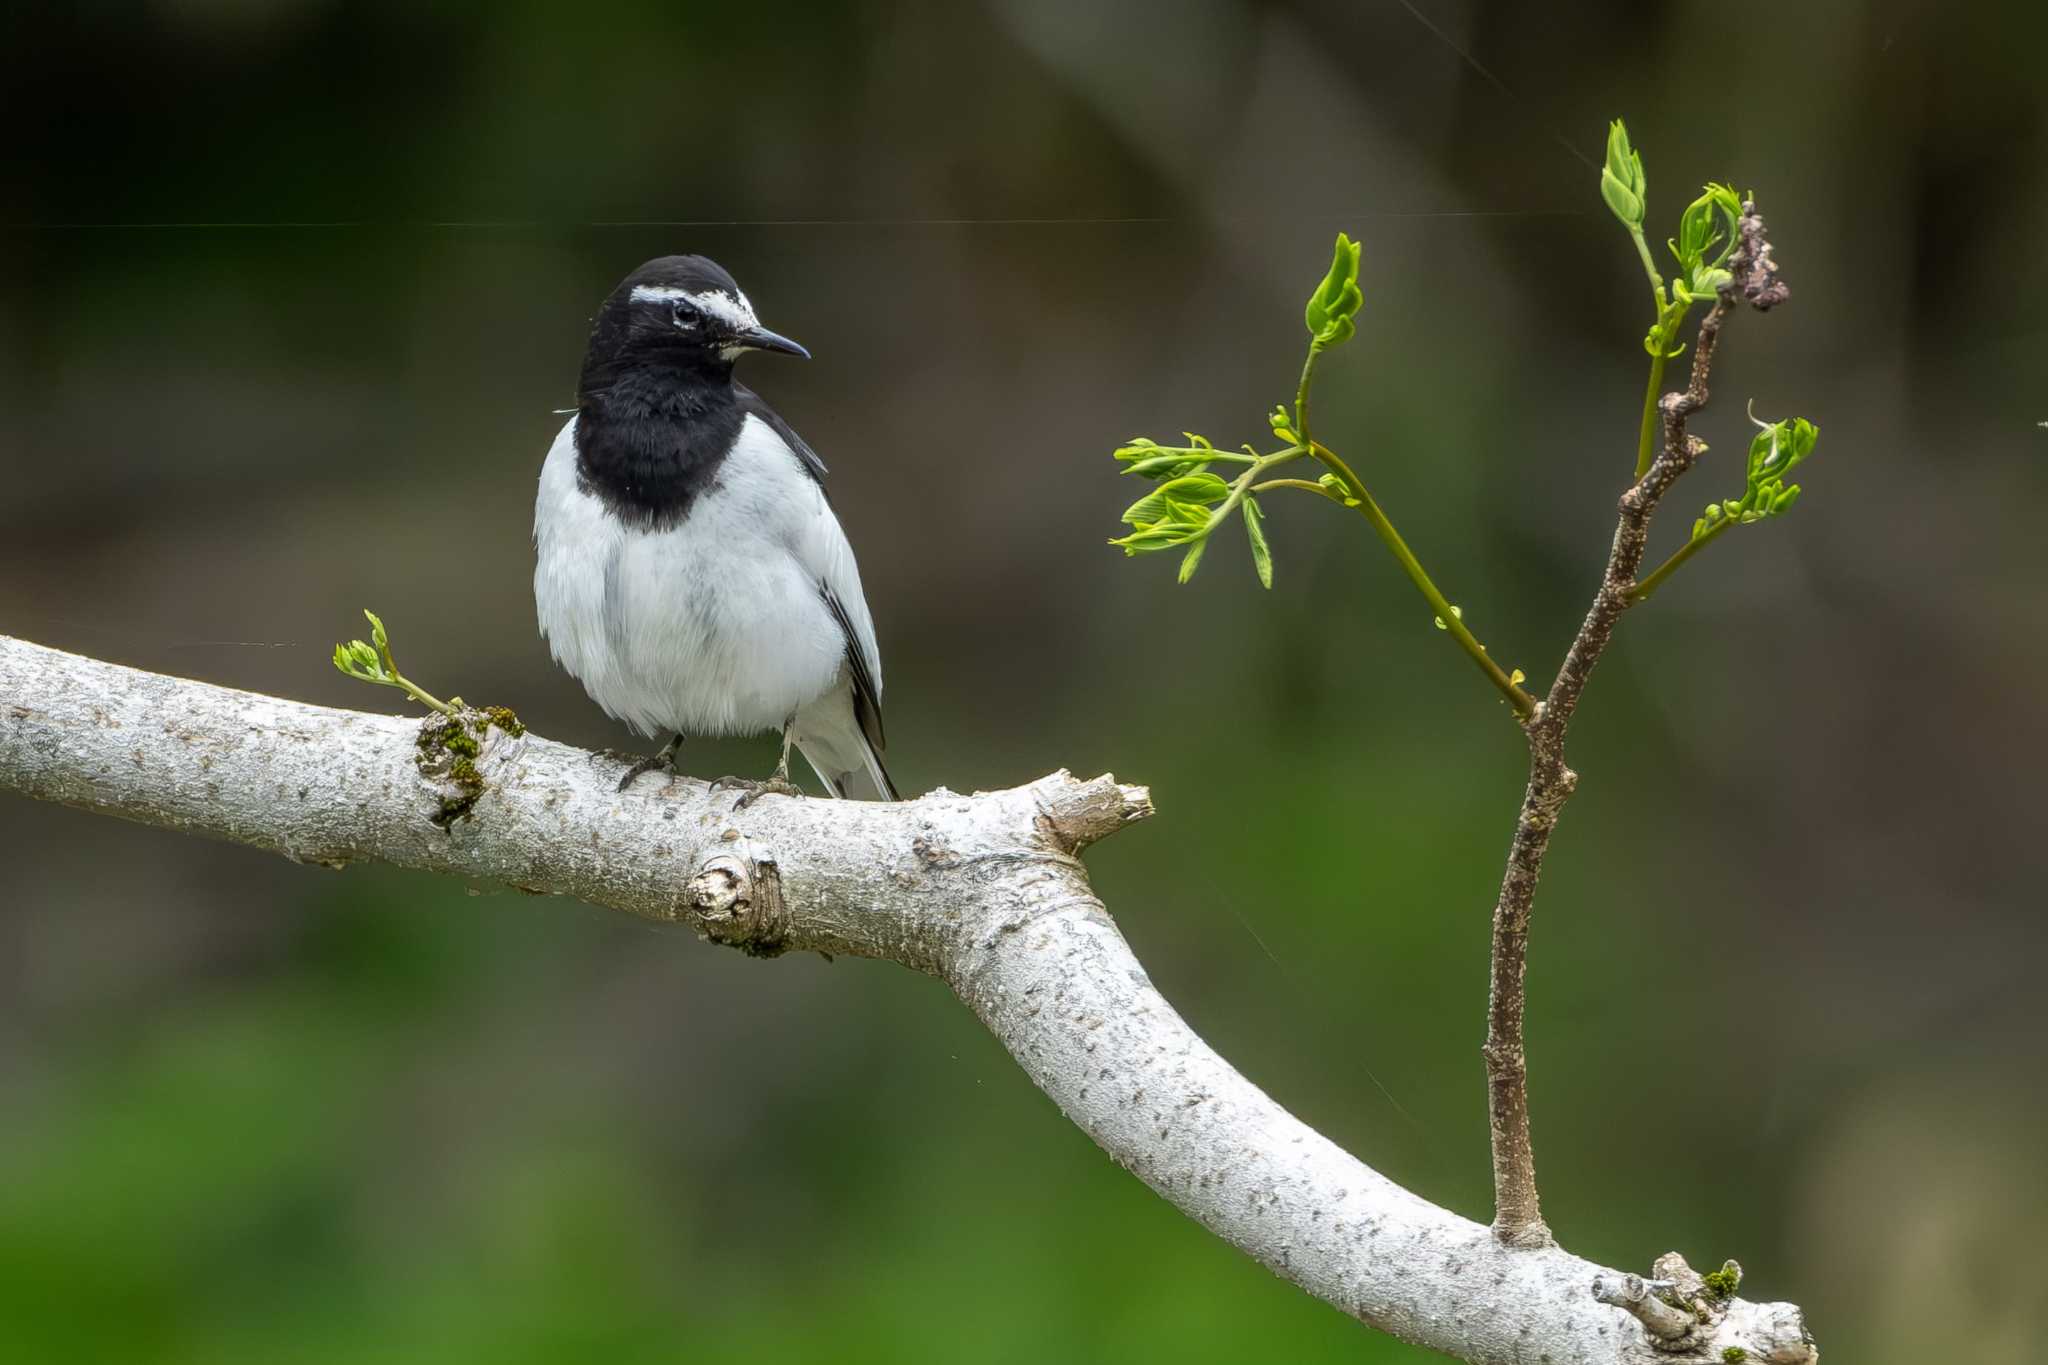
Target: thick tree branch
x,y
1518,1217
984,892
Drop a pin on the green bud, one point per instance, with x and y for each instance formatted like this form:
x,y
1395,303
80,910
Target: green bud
x,y
1778,448
1695,230
1706,234
1766,449
1622,183
1804,437
1337,299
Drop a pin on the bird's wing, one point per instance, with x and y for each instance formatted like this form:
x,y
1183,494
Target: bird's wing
x,y
862,663
822,547
827,555
752,403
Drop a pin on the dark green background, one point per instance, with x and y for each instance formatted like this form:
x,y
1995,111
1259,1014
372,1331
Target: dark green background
x,y
291,289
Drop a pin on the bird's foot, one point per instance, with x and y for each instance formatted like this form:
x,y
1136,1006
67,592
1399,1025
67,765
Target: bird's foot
x,y
666,758
753,789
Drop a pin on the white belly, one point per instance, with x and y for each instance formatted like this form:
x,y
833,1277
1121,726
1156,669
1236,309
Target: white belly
x,y
713,627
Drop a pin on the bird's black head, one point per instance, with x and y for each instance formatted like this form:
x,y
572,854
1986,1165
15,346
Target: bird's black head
x,y
678,315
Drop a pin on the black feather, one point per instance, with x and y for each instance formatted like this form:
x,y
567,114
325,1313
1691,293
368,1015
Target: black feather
x,y
867,698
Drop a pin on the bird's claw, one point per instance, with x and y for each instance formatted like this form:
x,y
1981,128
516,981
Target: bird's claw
x,y
753,789
640,769
666,758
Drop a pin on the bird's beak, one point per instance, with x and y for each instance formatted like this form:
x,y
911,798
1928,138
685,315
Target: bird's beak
x,y
761,339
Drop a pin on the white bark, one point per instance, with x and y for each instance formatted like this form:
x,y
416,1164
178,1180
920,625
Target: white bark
x,y
984,891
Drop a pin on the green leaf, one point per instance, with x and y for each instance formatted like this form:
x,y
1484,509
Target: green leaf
x,y
1776,450
1706,235
1262,555
1161,466
1145,511
1202,487
1190,490
377,635
1779,448
1146,539
1337,299
1192,559
1622,183
357,659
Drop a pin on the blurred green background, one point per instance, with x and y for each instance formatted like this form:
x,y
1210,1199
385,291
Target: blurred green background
x,y
292,289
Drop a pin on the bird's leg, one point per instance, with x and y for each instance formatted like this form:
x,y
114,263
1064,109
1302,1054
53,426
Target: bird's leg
x,y
666,758
752,791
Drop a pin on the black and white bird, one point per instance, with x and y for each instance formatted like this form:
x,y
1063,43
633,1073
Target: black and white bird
x,y
691,573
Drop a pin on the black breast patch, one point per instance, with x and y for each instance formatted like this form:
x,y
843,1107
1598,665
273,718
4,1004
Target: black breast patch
x,y
648,462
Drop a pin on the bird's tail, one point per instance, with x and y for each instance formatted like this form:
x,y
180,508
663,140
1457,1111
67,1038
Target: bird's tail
x,y
845,759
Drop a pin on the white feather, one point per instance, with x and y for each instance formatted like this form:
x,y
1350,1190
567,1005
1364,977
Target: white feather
x,y
730,307
715,626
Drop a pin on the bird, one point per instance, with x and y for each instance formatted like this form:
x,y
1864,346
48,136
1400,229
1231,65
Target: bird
x,y
689,568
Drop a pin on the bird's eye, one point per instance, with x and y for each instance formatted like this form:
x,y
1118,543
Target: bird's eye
x,y
683,315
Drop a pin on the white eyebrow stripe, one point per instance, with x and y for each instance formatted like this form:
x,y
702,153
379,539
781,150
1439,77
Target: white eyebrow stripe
x,y
730,308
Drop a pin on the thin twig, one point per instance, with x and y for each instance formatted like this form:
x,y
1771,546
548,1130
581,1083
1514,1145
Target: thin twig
x,y
1447,615
1518,1216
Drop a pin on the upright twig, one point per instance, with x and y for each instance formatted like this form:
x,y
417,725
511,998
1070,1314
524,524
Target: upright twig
x,y
1518,1217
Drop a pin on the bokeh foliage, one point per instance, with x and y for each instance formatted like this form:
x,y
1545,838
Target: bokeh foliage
x,y
255,1111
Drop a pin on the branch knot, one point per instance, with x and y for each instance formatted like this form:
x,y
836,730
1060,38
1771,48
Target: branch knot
x,y
736,899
